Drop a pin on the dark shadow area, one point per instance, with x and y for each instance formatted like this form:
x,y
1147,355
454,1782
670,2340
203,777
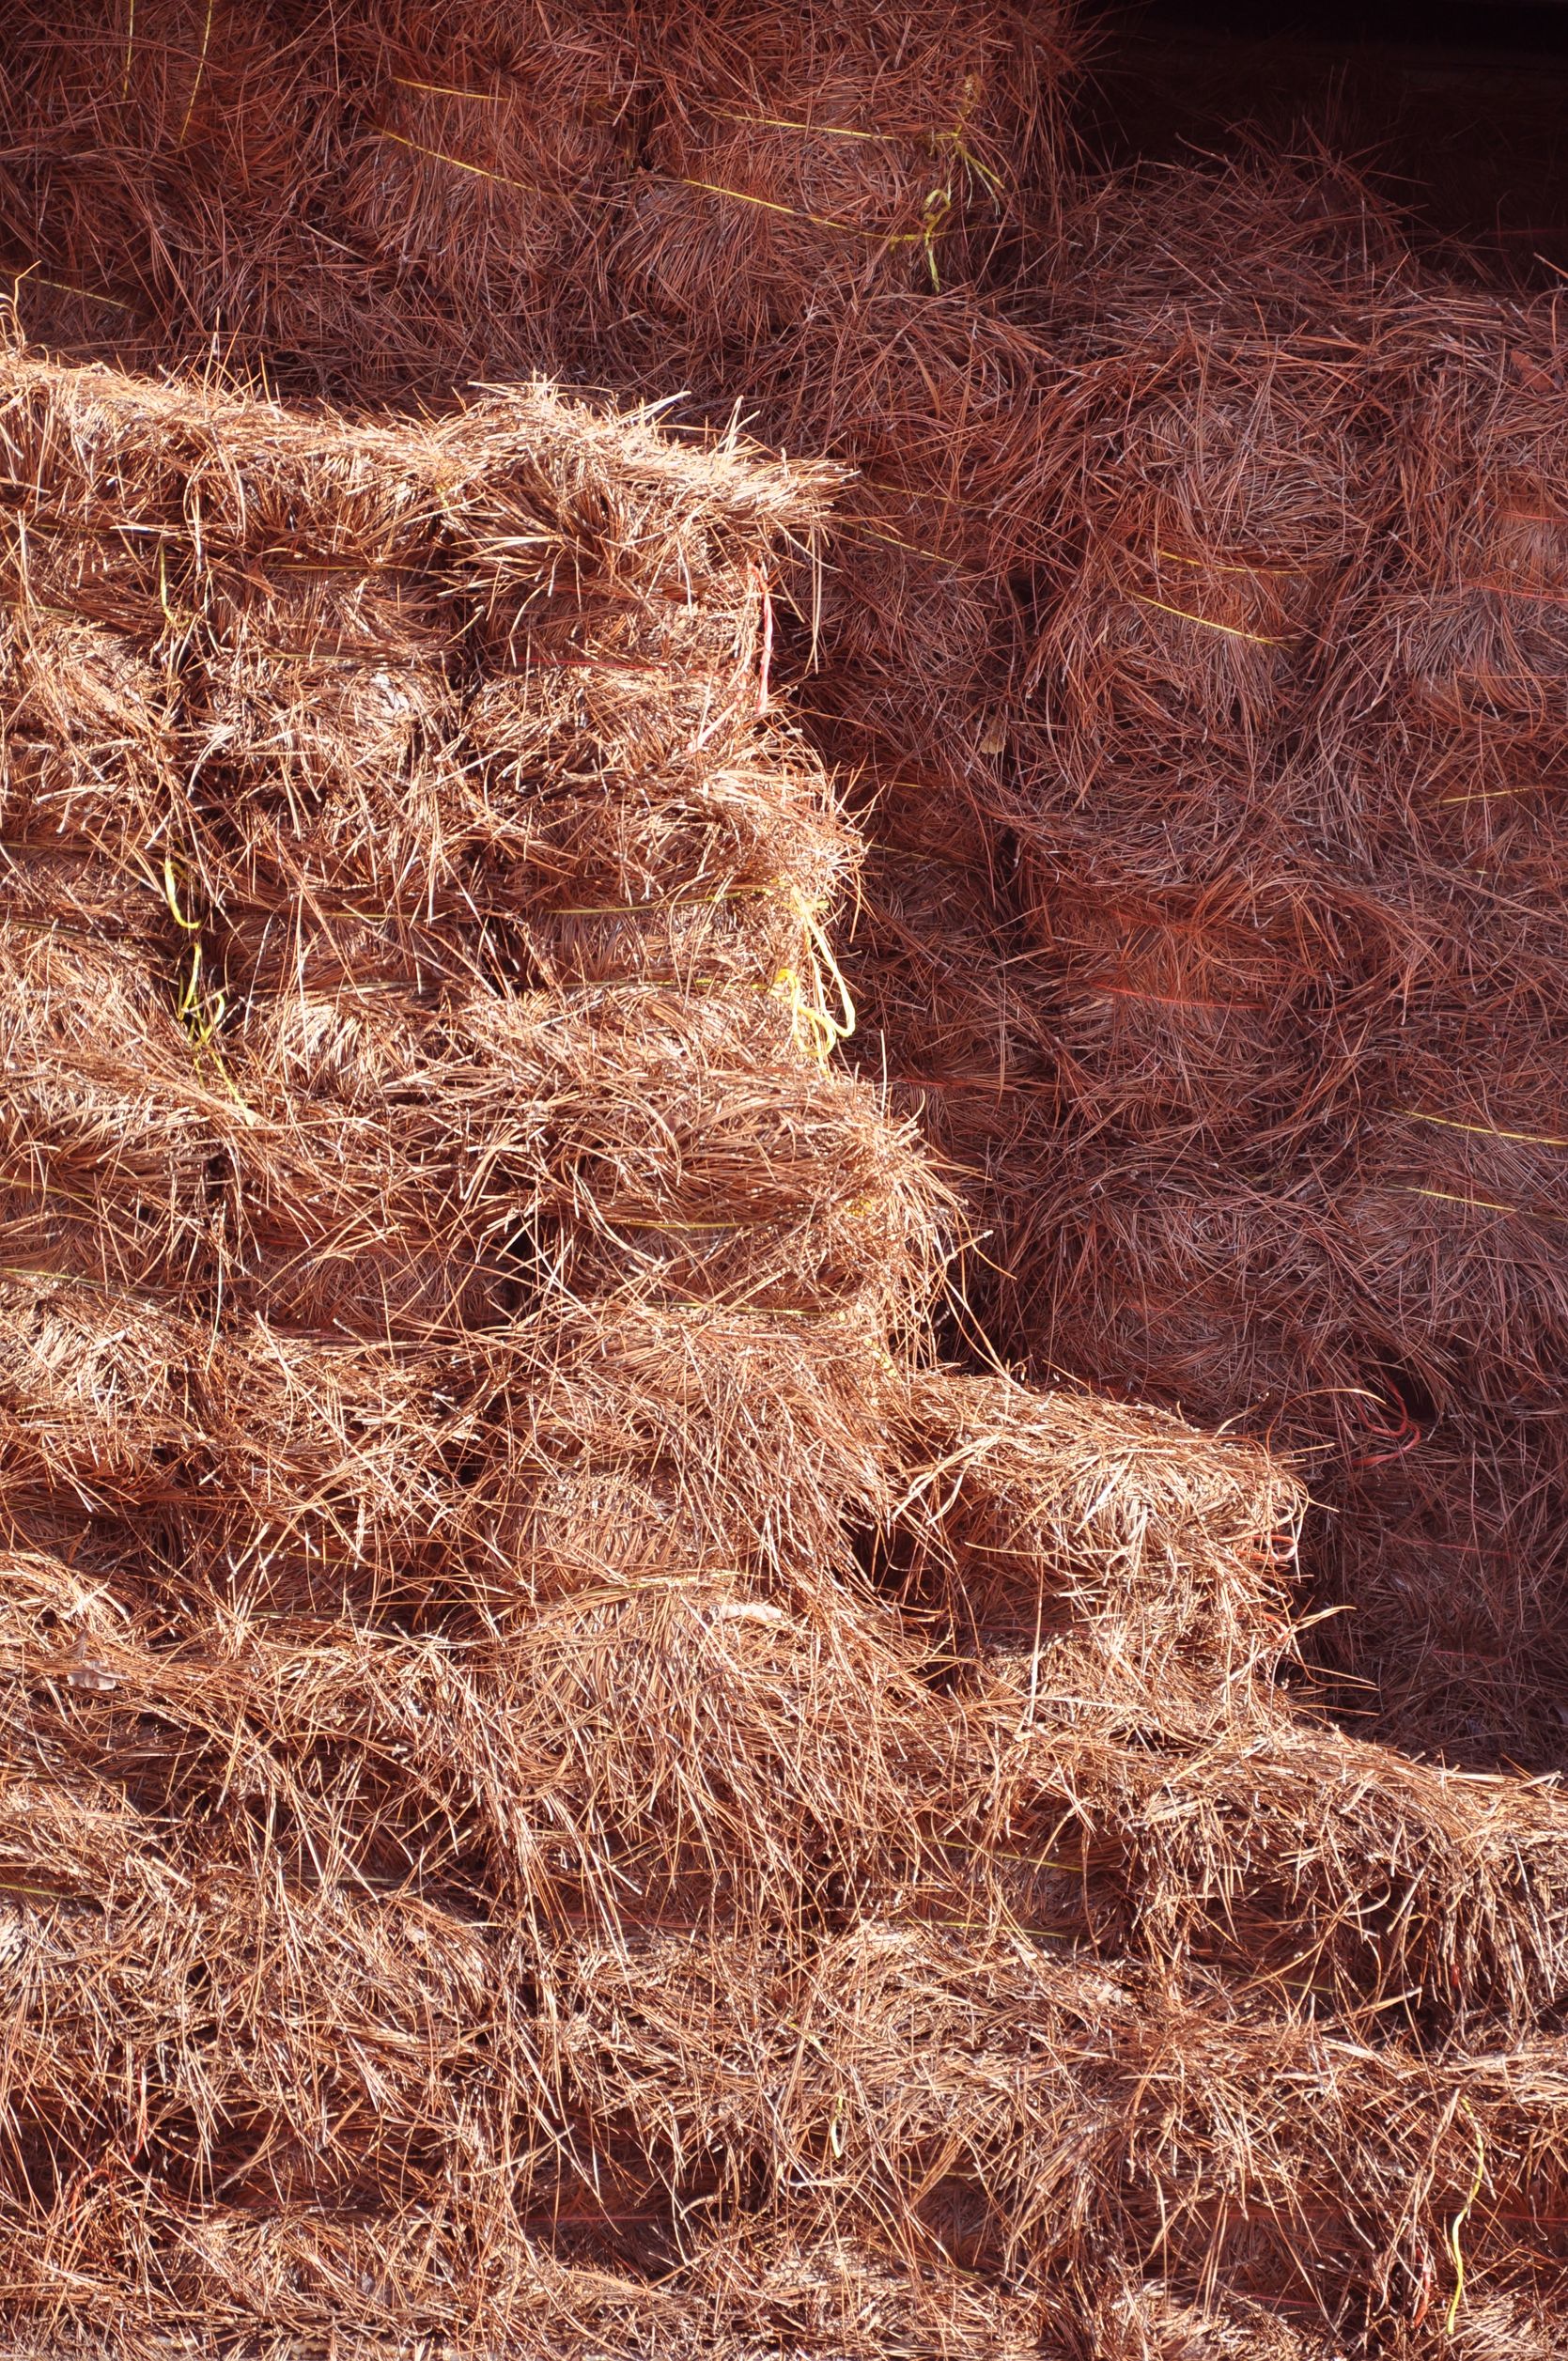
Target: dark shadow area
x,y
1462,108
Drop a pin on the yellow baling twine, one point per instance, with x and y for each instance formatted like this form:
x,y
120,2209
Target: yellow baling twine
x,y
939,204
200,1014
1213,566
441,90
1451,1197
1494,795
480,172
1457,2225
201,68
812,1025
954,139
34,276
1230,631
1484,1130
810,131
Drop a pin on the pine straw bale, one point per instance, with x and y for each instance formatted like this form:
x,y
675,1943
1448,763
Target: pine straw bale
x,y
952,415
1140,2320
1445,1550
610,1141
1471,618
1144,2322
1200,972
1455,1224
1327,1294
392,203
1448,809
1252,238
222,2000
487,155
86,722
1187,1281
1042,1516
937,396
1224,490
358,1158
741,2297
167,173
795,157
1037,2115
94,1396
64,1839
643,1744
322,748
1443,735
1341,1876
319,1469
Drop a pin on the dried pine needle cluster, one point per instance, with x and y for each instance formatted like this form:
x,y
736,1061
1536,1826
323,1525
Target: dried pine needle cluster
x,y
570,1788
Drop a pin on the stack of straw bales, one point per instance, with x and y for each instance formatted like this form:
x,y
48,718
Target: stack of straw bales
x,y
571,1789
804,212
1286,803
391,198
567,1789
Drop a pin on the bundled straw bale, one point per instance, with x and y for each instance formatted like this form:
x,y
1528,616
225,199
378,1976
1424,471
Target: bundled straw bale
x,y
1472,615
1450,1550
1226,489
323,746
1252,238
1345,1872
487,152
1032,1534
167,171
825,153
